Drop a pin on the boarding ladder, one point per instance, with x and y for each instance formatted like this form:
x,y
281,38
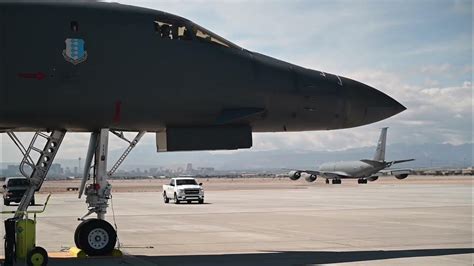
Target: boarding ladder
x,y
36,173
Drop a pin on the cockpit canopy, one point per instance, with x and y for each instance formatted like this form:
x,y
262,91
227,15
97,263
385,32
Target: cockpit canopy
x,y
185,30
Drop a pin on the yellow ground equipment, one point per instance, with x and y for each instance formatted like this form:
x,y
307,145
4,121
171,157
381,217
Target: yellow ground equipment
x,y
20,240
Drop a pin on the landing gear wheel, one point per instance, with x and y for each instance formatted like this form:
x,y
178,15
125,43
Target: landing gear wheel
x,y
201,201
165,198
176,200
327,181
6,202
37,257
189,202
32,202
77,233
336,181
96,237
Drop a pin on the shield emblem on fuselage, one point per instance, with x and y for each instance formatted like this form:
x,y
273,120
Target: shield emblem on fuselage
x,y
75,52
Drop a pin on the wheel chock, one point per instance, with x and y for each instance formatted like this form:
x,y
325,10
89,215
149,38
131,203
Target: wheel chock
x,y
79,253
116,253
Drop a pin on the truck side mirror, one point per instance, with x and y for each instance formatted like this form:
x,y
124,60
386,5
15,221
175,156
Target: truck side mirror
x,y
200,184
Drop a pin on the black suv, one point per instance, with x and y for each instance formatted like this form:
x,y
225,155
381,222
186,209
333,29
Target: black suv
x,y
13,190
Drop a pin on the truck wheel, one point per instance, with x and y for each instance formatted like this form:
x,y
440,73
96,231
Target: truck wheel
x,y
6,202
176,200
37,257
165,198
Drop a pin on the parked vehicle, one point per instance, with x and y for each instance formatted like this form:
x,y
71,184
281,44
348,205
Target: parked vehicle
x,y
13,190
183,189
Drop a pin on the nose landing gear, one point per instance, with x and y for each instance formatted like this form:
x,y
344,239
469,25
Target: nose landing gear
x,y
96,236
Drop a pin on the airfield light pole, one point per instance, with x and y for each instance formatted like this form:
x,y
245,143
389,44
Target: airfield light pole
x,y
79,163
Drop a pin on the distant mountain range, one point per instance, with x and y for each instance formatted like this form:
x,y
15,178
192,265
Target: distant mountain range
x,y
426,155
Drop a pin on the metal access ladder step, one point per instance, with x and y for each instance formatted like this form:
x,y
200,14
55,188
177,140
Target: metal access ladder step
x,y
36,172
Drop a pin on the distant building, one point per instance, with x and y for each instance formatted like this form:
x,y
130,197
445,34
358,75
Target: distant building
x,y
189,167
55,171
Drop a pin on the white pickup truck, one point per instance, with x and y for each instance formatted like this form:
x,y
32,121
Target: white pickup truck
x,y
183,189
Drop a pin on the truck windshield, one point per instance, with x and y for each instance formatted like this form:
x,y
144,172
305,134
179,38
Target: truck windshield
x,y
180,182
20,182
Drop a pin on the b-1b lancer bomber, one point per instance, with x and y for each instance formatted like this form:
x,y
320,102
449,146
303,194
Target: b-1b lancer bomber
x,y
361,170
110,68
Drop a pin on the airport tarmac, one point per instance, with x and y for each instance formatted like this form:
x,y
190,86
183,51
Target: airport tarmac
x,y
416,221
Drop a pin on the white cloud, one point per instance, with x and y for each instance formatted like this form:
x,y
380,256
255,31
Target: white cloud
x,y
435,69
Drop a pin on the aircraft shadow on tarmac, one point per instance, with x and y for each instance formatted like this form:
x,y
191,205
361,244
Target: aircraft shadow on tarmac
x,y
285,257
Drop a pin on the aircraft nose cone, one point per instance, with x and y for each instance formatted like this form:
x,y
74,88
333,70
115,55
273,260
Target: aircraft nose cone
x,y
365,105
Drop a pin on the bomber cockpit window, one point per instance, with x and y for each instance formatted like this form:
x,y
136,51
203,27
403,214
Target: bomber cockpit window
x,y
173,31
204,35
178,29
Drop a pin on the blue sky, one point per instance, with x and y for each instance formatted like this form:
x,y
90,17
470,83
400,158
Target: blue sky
x,y
419,52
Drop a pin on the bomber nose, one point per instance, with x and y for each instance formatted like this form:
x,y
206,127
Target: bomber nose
x,y
365,105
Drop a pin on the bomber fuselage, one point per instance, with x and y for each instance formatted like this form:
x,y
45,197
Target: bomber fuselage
x,y
82,67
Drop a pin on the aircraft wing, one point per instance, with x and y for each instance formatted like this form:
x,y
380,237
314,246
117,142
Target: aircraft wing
x,y
309,172
402,161
399,161
392,172
330,175
336,174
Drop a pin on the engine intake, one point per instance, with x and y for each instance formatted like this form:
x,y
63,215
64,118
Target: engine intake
x,y
294,175
310,178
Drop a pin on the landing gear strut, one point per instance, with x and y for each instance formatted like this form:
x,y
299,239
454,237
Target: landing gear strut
x,y
96,236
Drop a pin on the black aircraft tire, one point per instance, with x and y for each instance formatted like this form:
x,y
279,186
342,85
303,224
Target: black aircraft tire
x,y
201,201
77,232
37,257
6,202
97,237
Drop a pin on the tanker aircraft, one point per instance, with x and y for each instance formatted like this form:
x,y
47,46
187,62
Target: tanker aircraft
x,y
111,68
362,170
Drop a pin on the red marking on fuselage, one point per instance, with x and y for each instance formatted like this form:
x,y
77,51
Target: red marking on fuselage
x,y
118,111
37,75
